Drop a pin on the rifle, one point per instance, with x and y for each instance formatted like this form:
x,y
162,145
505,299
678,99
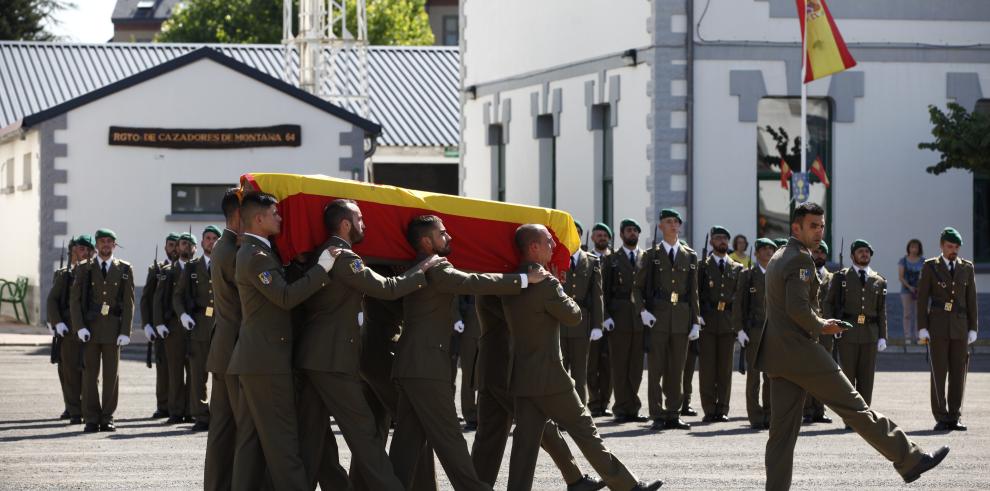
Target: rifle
x,y
587,235
648,294
56,348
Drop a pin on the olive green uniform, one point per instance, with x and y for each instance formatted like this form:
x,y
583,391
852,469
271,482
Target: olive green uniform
x,y
104,304
864,306
749,315
599,366
193,296
58,310
813,408
175,340
947,308
790,354
462,309
625,342
148,317
716,291
584,285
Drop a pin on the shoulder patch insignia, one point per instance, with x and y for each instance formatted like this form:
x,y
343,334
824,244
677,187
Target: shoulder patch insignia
x,y
357,266
265,277
803,274
560,290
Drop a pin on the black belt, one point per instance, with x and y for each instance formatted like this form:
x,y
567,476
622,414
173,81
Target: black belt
x,y
200,310
714,306
939,305
870,319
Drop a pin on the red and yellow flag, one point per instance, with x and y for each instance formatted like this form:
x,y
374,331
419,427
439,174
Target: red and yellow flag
x,y
818,169
785,174
824,50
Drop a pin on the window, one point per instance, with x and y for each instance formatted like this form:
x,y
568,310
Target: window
x,y
548,160
451,32
498,161
7,176
200,199
26,177
981,204
601,123
778,128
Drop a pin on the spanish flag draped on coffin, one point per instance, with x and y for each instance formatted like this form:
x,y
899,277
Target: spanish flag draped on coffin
x,y
483,231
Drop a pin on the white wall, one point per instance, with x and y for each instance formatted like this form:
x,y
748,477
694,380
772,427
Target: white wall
x,y
19,220
128,188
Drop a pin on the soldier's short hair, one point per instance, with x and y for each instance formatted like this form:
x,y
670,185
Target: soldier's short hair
x,y
806,208
527,234
230,202
336,212
253,203
420,227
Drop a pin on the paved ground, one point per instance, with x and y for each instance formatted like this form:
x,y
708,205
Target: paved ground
x,y
39,452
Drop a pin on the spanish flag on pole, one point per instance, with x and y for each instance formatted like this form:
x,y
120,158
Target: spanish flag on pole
x,y
824,50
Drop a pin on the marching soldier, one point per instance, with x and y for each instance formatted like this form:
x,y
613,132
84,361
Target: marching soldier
x,y
599,366
102,307
666,292
583,283
426,412
225,392
814,410
193,302
623,321
858,295
534,319
948,322
790,355
147,316
718,277
749,315
170,329
466,326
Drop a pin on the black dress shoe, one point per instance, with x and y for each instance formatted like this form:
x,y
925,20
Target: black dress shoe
x,y
108,426
200,426
928,462
821,418
64,415
91,428
161,413
187,419
473,426
676,424
586,483
607,413
645,486
172,420
758,426
807,420
943,426
75,420
721,418
688,411
637,419
957,426
766,425
658,425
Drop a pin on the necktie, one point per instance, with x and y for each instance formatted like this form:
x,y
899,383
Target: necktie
x,y
104,268
721,265
632,258
862,277
573,263
670,254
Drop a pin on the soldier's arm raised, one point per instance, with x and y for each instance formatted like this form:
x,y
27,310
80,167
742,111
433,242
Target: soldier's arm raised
x,y
448,279
797,301
267,277
351,271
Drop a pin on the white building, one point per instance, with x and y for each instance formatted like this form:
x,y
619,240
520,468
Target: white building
x,y
83,128
620,109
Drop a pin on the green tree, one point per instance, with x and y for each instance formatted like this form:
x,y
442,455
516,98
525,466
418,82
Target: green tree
x,y
962,140
390,22
24,20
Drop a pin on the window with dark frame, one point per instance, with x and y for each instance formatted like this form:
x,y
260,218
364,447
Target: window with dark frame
x,y
548,160
498,160
198,199
981,204
601,121
451,30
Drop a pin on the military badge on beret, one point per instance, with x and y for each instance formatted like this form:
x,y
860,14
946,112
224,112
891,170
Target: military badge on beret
x,y
357,266
265,277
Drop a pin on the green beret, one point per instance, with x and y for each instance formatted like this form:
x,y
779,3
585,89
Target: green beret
x,y
601,226
781,242
765,242
105,232
212,229
720,230
86,240
859,243
823,246
629,222
670,213
950,234
579,227
188,238
172,236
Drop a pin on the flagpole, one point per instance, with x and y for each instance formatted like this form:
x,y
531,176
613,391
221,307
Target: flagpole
x,y
804,87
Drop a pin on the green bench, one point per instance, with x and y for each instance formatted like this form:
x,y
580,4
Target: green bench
x,y
14,293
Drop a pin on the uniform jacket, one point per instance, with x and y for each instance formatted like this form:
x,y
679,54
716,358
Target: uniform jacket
x,y
103,305
227,318
937,288
668,280
861,302
193,295
716,291
584,285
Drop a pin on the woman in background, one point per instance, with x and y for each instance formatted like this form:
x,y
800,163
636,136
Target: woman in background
x,y
908,272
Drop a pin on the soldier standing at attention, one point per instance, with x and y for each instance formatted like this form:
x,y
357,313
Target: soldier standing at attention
x,y
148,317
102,308
599,366
583,283
624,323
948,321
193,302
749,314
718,277
790,355
814,410
170,328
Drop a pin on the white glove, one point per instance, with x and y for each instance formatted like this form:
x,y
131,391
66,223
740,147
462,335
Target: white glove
x,y
923,334
648,318
609,324
459,326
326,261
360,318
596,334
187,322
881,344
149,332
701,321
61,329
972,337
162,330
695,332
123,340
743,338
83,335
50,329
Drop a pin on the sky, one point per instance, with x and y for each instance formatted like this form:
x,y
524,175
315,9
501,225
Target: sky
x,y
89,22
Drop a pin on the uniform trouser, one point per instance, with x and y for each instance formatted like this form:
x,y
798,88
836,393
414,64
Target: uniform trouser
x,y
161,375
950,357
565,409
495,415
199,409
222,434
426,413
575,359
599,375
267,434
833,389
469,390
626,355
665,364
70,375
813,407
94,409
340,395
178,386
689,364
715,374
757,384
859,365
